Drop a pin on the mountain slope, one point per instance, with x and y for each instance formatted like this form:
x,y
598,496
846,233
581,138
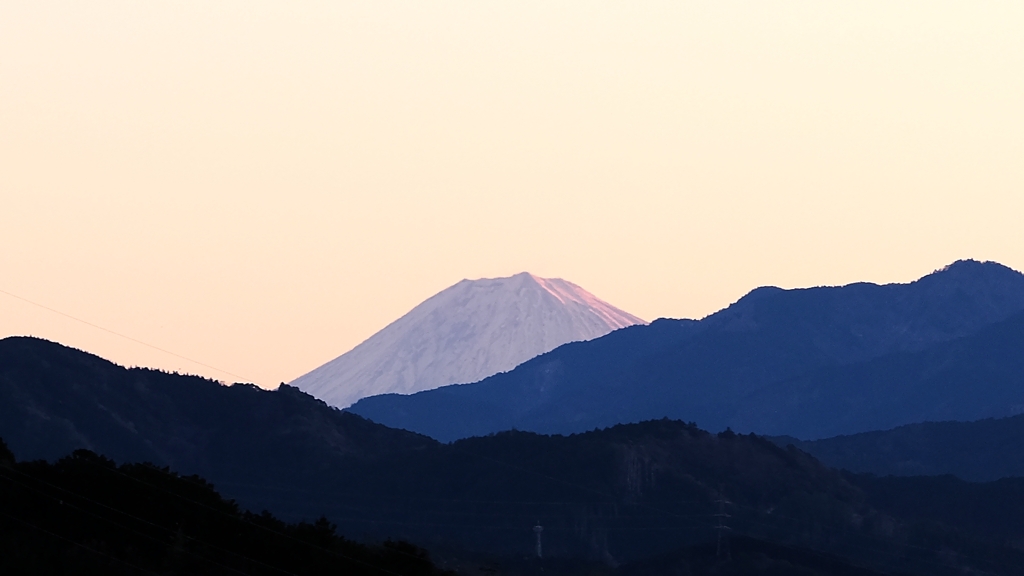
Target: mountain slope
x,y
55,399
616,495
979,451
465,333
970,378
136,517
85,515
701,371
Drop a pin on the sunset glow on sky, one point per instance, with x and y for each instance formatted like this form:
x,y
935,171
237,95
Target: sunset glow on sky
x,y
259,186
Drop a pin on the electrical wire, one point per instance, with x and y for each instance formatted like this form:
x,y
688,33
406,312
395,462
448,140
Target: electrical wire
x,y
452,446
126,337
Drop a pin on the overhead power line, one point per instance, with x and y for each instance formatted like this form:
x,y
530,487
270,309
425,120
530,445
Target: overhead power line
x,y
126,337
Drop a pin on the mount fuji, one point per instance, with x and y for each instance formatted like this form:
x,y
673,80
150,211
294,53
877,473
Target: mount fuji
x,y
463,334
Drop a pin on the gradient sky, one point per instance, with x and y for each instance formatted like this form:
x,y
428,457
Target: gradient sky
x,y
259,186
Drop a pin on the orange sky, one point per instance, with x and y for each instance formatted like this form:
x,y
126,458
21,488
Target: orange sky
x,y
259,186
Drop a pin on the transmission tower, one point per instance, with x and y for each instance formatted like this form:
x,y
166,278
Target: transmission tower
x,y
537,530
721,527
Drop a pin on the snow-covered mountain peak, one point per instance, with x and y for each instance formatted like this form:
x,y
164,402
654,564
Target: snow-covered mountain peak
x,y
471,330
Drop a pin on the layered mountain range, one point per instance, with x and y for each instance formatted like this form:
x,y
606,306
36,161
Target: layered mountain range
x,y
644,496
466,333
809,363
629,498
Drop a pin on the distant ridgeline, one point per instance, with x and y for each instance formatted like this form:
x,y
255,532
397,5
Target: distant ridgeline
x,y
978,451
637,493
808,363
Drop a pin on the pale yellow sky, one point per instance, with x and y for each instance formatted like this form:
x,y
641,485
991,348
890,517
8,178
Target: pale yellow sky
x,y
259,186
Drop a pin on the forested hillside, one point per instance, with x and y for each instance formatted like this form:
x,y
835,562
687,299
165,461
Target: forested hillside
x,y
979,451
613,497
86,515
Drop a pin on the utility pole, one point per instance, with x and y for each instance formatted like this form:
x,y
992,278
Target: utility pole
x,y
721,515
537,530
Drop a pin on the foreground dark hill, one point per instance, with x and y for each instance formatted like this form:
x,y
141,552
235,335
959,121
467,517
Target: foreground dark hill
x,y
636,492
704,371
978,451
610,497
85,515
55,399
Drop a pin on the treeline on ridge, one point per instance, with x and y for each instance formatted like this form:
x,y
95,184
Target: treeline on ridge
x,y
84,514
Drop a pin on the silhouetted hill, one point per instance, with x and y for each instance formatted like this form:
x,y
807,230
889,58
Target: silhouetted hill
x,y
988,511
613,496
85,515
636,491
703,371
977,451
55,399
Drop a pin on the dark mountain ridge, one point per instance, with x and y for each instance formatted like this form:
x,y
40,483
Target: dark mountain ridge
x,y
613,496
85,515
704,370
55,399
970,378
980,451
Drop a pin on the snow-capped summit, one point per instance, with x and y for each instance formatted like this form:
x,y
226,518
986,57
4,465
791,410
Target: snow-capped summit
x,y
463,334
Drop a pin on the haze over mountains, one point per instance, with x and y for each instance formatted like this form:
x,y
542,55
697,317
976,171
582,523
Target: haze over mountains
x,y
466,333
809,363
